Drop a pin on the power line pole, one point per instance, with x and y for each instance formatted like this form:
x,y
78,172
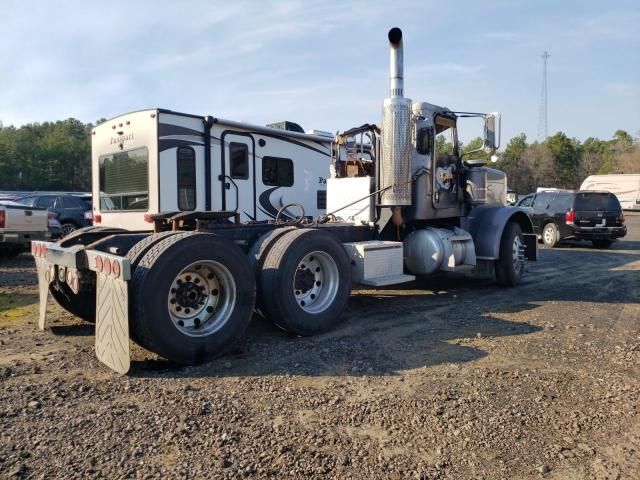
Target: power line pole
x,y
542,119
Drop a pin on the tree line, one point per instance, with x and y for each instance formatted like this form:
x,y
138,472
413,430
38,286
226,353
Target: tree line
x,y
57,156
46,156
563,162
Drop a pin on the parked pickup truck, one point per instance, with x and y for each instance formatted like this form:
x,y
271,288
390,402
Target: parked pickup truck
x,y
19,225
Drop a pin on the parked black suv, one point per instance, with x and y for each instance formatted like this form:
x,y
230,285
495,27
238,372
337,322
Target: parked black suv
x,y
73,211
566,214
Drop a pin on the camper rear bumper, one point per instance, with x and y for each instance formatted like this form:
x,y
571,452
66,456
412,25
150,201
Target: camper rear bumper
x,y
67,265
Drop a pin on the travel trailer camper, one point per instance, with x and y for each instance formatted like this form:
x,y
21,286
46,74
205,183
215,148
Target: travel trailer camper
x,y
624,186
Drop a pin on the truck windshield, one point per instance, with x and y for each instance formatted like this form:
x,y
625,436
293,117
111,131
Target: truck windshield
x,y
124,180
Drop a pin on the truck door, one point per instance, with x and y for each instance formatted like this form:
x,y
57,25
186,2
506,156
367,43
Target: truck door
x,y
238,181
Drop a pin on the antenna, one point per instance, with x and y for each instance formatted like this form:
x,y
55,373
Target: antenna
x,y
542,119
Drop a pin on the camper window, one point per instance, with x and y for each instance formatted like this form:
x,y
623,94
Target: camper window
x,y
239,154
277,171
124,180
186,176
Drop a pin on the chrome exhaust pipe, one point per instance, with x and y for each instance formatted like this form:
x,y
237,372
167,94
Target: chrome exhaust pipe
x,y
394,173
396,63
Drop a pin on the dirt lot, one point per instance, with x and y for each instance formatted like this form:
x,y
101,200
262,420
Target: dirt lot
x,y
453,378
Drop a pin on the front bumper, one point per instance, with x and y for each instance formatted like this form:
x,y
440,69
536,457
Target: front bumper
x,y
112,297
598,233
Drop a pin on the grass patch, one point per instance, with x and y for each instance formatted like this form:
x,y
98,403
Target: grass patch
x,y
14,308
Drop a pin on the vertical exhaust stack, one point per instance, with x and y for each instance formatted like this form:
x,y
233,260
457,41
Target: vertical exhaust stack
x,y
395,163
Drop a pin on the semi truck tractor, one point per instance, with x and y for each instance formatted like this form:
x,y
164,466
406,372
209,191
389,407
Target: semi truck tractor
x,y
200,222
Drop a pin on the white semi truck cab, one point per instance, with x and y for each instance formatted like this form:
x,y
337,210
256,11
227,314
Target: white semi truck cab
x,y
200,222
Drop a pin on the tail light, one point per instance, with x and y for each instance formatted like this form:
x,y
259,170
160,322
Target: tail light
x,y
570,217
148,217
97,218
621,217
105,265
52,215
2,218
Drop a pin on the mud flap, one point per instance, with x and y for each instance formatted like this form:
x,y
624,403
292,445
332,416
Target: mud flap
x,y
46,273
112,309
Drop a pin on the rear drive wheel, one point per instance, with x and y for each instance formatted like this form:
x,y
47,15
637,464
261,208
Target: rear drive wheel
x,y
603,243
550,235
192,297
138,251
306,282
510,266
257,255
81,304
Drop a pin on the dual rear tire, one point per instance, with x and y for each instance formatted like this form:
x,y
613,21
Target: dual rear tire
x,y
191,297
305,282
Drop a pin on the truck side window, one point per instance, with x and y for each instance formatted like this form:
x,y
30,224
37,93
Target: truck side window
x,y
239,155
423,141
186,177
277,171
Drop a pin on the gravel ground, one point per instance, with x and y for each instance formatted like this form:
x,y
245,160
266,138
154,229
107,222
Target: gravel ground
x,y
450,378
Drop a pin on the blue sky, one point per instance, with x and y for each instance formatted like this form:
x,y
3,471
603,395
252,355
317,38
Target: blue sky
x,y
322,64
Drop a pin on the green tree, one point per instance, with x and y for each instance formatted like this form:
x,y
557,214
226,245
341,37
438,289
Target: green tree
x,y
566,154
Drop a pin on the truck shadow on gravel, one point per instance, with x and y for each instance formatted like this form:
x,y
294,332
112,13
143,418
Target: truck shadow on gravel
x,y
380,335
440,320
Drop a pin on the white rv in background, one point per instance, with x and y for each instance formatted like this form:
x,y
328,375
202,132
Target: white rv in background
x,y
624,186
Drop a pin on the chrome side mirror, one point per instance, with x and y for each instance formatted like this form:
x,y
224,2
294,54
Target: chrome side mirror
x,y
492,127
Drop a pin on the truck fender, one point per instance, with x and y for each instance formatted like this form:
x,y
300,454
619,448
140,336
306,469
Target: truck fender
x,y
486,224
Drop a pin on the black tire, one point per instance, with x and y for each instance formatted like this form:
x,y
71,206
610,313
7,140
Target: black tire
x,y
280,269
151,287
550,235
138,251
83,303
256,256
602,243
508,272
68,228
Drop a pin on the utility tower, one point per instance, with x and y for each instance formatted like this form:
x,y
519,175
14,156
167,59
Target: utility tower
x,y
542,119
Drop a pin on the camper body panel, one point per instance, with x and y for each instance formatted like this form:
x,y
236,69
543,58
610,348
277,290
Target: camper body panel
x,y
124,154
257,172
192,166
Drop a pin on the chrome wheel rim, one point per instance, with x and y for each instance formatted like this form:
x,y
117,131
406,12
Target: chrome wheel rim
x,y
518,254
315,283
201,298
548,235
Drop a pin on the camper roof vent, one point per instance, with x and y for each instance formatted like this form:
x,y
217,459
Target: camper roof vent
x,y
286,125
320,133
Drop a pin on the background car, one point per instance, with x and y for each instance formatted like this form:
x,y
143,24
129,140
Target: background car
x,y
583,215
72,211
